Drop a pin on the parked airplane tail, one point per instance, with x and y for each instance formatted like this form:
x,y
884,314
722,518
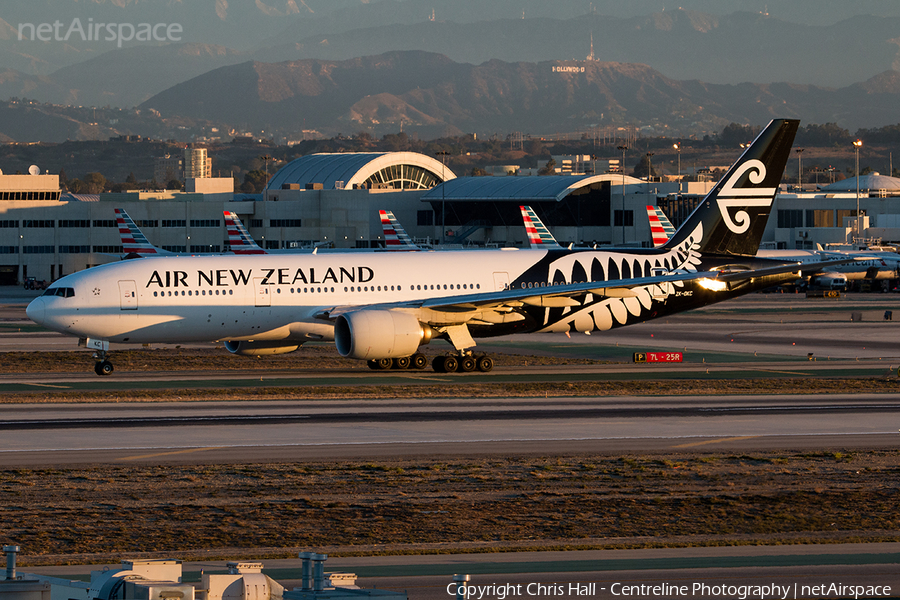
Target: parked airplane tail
x,y
538,234
395,237
239,239
732,217
134,242
660,227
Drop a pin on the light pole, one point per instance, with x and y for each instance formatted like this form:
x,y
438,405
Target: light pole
x,y
649,168
800,168
678,152
856,145
442,154
623,148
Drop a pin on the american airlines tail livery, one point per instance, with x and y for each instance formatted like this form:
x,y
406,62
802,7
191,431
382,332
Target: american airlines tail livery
x,y
382,306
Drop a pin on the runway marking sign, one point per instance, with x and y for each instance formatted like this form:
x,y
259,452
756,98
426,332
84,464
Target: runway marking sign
x,y
657,357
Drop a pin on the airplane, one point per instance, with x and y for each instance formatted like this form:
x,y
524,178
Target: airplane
x,y
660,227
134,243
395,237
866,264
538,234
381,307
239,239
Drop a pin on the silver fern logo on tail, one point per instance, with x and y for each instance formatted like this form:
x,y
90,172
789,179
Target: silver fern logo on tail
x,y
731,197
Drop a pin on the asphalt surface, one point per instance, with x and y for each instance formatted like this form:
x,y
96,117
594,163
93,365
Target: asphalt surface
x,y
758,334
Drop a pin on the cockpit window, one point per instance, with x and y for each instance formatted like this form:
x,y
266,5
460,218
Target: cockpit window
x,y
63,292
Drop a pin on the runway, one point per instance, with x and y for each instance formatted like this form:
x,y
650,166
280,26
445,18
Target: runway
x,y
275,431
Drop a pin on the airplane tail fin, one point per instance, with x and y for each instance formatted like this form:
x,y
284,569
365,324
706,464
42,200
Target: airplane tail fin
x,y
660,227
239,239
134,242
732,217
538,234
395,237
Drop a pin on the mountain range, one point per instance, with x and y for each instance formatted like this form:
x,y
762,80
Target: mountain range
x,y
429,92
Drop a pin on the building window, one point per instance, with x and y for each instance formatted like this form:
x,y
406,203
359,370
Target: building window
x,y
172,223
74,223
788,219
9,249
74,249
9,224
148,223
206,248
105,223
38,223
284,223
108,249
38,250
819,218
623,218
206,223
256,222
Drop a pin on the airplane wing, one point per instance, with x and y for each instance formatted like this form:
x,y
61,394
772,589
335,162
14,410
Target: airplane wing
x,y
552,296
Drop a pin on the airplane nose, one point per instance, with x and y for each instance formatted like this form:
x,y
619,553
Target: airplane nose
x,y
35,311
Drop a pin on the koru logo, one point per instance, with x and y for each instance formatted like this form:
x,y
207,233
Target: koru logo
x,y
731,197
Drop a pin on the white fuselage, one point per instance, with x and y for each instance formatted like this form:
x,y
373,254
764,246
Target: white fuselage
x,y
259,297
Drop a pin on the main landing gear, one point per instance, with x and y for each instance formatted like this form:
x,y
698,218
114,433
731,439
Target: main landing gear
x,y
102,366
464,363
416,361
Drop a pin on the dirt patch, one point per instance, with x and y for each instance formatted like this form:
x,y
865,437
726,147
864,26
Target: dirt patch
x,y
428,505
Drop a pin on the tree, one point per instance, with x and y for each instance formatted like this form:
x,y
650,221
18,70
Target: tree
x,y
549,168
63,179
255,178
76,186
173,184
735,134
95,183
643,167
131,179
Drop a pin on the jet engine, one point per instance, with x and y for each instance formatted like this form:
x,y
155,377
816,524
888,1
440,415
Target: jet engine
x,y
260,348
374,334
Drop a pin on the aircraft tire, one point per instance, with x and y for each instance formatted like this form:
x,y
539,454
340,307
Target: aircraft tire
x,y
450,364
418,361
467,364
485,364
103,367
438,364
400,363
384,363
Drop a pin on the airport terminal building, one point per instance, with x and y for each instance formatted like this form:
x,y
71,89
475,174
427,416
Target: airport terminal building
x,y
333,200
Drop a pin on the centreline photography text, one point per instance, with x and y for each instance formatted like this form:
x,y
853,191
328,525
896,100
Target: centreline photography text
x,y
501,591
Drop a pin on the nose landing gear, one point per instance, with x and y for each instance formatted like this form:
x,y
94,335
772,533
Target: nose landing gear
x,y
102,366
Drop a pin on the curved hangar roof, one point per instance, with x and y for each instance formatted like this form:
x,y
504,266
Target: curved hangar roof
x,y
515,188
872,181
397,170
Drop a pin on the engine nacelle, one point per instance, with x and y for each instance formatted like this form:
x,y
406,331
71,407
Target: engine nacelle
x,y
374,334
259,348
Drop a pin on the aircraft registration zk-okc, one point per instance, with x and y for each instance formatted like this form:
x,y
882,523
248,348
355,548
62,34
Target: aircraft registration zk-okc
x,y
381,307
